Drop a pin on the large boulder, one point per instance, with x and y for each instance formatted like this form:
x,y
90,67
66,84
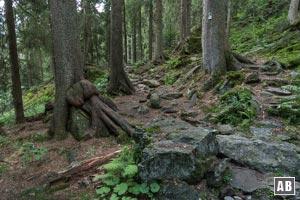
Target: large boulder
x,y
79,123
168,160
185,156
283,158
178,191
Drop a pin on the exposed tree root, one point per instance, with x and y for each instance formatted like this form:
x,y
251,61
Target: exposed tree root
x,y
242,59
104,119
121,84
83,167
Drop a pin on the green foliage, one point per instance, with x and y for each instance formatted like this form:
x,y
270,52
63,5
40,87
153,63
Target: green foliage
x,y
236,107
4,141
289,108
36,98
38,137
177,62
169,79
31,153
102,82
3,168
120,180
153,129
235,77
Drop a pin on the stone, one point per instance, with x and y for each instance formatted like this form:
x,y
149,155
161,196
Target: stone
x,y
177,191
246,179
188,113
225,129
185,156
228,198
79,123
252,77
155,101
171,95
266,94
169,125
168,160
151,83
215,175
203,139
238,198
261,133
142,110
169,109
268,124
193,101
279,91
263,156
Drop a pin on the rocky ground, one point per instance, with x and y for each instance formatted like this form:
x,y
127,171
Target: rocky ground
x,y
192,156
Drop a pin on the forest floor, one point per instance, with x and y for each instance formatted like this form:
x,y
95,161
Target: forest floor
x,y
28,159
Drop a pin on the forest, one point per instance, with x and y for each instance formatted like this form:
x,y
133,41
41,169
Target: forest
x,y
149,99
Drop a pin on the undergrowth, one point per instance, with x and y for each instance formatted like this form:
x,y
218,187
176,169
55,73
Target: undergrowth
x,y
288,108
236,107
121,179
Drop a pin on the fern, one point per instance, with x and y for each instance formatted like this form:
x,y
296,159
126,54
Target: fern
x,y
120,179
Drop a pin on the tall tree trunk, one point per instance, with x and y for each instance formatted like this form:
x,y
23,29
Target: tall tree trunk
x,y
228,22
29,69
86,31
150,31
129,50
159,57
68,60
185,24
293,11
140,42
125,33
118,82
183,20
213,32
14,62
108,28
188,17
134,39
72,91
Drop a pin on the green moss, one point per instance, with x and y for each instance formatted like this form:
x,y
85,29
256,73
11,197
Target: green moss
x,y
3,168
154,129
177,62
236,107
235,77
35,99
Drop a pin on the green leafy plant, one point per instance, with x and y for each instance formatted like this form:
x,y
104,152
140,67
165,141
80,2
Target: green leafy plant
x,y
169,79
4,141
288,108
120,180
31,153
236,107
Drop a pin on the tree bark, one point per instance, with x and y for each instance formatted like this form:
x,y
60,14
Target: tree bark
x,y
119,82
140,42
228,22
68,60
183,20
293,11
150,31
213,32
72,90
125,33
14,62
86,31
159,56
188,18
133,39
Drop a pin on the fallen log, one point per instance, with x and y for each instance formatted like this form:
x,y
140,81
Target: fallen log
x,y
83,167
